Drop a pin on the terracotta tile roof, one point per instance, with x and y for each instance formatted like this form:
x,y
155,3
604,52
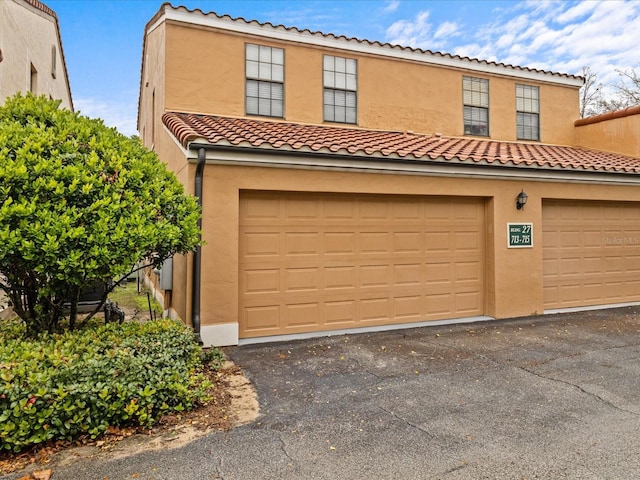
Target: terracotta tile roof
x,y
42,7
627,112
357,40
330,140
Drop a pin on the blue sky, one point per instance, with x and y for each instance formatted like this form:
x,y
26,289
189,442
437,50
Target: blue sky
x,y
102,40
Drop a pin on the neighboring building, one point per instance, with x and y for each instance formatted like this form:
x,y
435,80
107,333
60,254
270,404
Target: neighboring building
x,y
349,184
31,56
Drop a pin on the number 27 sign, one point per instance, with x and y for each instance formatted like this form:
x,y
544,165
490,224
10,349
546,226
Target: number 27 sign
x,y
520,235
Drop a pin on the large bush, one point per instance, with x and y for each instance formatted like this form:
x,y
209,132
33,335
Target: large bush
x,y
62,385
79,204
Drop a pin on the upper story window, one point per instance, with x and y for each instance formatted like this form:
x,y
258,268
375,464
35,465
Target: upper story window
x,y
475,92
265,80
527,112
340,95
33,80
53,61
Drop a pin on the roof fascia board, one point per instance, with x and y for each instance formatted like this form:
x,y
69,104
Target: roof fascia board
x,y
229,156
252,28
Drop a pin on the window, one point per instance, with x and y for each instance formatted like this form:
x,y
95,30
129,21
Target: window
x,y
475,93
33,80
340,89
265,80
53,61
528,112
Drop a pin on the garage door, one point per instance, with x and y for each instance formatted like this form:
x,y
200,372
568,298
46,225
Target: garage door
x,y
591,253
314,262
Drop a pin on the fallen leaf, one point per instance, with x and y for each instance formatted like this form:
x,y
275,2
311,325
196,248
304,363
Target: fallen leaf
x,y
43,474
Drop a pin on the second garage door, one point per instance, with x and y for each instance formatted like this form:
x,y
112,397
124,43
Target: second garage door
x,y
315,262
591,253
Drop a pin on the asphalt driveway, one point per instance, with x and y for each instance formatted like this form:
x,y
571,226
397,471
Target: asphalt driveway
x,y
549,397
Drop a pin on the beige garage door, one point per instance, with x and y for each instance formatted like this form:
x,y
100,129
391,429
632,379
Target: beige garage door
x,y
313,262
591,253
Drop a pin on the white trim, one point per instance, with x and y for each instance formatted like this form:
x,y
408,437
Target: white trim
x,y
181,14
348,331
587,309
444,168
219,335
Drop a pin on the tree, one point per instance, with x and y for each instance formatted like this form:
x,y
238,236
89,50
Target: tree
x,y
590,93
627,91
623,94
79,203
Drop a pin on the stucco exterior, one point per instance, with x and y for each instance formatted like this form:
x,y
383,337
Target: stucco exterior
x,y
612,132
202,71
194,63
32,55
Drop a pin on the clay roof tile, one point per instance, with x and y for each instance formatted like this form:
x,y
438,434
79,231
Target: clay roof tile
x,y
267,134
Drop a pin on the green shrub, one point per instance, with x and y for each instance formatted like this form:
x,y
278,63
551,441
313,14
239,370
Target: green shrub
x,y
63,385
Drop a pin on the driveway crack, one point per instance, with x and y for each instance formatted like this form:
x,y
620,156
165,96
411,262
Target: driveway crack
x,y
412,425
283,447
544,377
581,389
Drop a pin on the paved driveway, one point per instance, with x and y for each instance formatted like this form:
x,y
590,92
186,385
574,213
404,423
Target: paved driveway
x,y
541,398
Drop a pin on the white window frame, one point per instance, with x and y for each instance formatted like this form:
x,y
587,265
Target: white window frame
x,y
527,112
340,92
264,80
475,100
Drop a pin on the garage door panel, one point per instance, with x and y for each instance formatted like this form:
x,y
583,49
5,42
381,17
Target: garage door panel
x,y
311,262
408,307
438,241
467,302
264,318
265,207
260,281
340,312
438,304
375,276
408,275
590,253
298,243
339,243
301,315
340,278
468,272
439,273
407,242
592,239
260,244
376,310
301,279
375,242
374,210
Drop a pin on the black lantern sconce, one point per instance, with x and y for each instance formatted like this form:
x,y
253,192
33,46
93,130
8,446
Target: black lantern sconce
x,y
521,200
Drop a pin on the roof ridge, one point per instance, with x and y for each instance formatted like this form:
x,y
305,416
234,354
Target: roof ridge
x,y
42,7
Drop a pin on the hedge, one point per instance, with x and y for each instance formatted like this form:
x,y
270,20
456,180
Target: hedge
x,y
60,386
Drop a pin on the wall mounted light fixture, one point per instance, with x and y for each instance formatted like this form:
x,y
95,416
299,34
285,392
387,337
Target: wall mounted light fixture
x,y
521,200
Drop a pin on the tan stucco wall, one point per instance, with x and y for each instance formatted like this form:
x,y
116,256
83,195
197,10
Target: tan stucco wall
x,y
621,135
27,36
205,74
152,87
513,284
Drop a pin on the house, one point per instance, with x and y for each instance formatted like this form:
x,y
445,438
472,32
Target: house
x,y
31,55
350,185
